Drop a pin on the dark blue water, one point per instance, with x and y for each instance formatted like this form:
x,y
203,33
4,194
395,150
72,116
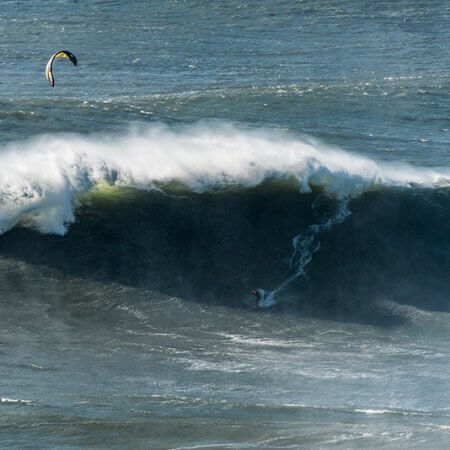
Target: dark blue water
x,y
197,151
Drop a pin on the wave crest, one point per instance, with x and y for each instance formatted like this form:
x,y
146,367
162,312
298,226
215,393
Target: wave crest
x,y
42,178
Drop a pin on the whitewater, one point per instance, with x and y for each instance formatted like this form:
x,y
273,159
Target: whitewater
x,y
41,179
200,151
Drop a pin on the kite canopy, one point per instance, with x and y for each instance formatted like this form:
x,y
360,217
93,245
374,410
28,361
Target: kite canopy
x,y
59,54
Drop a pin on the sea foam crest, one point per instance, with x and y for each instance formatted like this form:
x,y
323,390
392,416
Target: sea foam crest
x,y
41,178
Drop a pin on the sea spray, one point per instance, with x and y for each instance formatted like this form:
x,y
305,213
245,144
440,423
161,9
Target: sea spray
x,y
42,178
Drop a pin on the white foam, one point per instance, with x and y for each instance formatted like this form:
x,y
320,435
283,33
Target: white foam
x,y
13,401
41,178
374,411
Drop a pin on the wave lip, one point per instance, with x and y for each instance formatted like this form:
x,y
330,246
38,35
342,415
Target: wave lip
x,y
41,179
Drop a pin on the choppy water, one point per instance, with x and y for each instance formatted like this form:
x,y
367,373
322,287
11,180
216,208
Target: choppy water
x,y
200,150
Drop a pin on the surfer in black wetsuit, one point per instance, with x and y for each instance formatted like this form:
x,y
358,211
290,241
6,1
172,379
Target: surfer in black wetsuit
x,y
263,299
257,294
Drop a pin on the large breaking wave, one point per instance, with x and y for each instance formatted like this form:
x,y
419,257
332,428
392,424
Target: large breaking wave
x,y
41,179
208,213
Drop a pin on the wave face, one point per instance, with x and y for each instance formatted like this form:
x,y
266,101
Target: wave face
x,y
208,213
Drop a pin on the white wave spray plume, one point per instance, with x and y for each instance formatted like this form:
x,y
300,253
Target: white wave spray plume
x,y
42,179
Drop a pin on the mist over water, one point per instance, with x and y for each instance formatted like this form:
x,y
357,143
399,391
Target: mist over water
x,y
43,177
199,151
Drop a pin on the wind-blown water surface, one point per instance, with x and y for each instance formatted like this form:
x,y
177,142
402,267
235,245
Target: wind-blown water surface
x,y
200,150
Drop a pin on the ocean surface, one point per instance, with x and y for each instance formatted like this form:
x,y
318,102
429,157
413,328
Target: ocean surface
x,y
200,150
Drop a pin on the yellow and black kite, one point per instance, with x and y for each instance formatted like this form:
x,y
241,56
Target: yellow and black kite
x,y
49,68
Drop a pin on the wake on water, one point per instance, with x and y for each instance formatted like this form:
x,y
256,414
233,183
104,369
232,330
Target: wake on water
x,y
304,247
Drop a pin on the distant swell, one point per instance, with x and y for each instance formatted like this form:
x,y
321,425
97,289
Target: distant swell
x,y
42,179
14,401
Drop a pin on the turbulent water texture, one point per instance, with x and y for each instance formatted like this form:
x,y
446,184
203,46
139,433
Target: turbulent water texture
x,y
200,150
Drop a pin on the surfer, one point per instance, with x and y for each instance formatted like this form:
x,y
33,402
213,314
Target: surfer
x,y
264,299
259,295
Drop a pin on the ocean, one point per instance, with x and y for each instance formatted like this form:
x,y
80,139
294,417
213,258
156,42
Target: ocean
x,y
198,151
